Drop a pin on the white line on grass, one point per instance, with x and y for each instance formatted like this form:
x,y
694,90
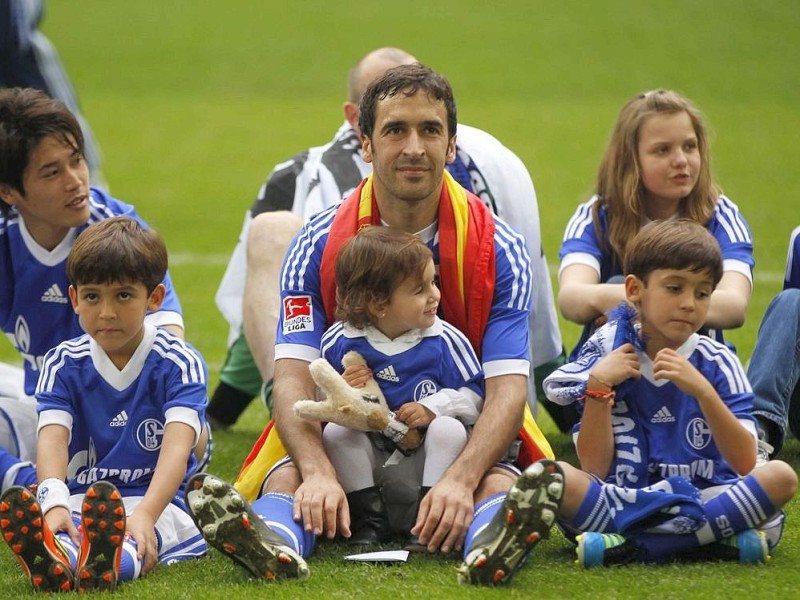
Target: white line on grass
x,y
215,259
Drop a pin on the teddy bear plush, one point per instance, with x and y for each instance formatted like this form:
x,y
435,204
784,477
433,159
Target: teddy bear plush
x,y
364,409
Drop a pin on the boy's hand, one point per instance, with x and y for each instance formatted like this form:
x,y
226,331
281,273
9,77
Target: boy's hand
x,y
58,519
415,415
668,364
357,376
141,527
616,366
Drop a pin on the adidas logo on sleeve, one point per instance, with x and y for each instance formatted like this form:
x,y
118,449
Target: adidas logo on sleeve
x,y
54,294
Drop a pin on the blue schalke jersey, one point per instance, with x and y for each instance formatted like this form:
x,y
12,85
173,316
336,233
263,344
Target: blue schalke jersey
x,y
581,245
302,320
35,311
659,430
416,366
117,418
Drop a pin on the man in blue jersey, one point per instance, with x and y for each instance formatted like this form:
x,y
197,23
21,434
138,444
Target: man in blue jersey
x,y
120,410
408,132
45,202
667,438
318,178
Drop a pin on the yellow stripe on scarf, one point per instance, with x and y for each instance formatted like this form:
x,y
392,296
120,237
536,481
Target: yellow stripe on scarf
x,y
458,201
365,202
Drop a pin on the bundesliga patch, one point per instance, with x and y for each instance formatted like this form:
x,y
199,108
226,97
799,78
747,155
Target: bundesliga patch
x,y
298,314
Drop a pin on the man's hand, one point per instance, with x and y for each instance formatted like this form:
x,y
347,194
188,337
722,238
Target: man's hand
x,y
444,515
320,504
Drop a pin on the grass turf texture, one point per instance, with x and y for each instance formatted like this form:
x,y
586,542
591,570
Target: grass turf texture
x,y
193,102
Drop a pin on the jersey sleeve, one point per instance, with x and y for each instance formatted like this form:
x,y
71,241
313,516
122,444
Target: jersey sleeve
x,y
301,319
332,347
462,387
53,398
724,369
187,386
580,244
725,372
505,348
732,232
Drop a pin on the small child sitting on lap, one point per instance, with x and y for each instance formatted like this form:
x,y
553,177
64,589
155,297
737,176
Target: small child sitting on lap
x,y
387,302
120,410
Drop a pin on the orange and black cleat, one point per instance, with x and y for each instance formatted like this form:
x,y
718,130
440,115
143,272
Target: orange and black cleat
x,y
103,522
41,555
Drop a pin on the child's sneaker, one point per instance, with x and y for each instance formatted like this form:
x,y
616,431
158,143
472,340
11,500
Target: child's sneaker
x,y
228,523
748,546
41,555
604,549
103,524
526,516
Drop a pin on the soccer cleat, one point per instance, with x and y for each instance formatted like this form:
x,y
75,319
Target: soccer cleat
x,y
526,516
103,527
604,549
228,523
748,546
41,555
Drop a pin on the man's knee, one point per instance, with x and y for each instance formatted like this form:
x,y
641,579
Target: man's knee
x,y
283,480
497,480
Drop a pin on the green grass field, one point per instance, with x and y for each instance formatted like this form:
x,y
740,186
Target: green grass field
x,y
194,102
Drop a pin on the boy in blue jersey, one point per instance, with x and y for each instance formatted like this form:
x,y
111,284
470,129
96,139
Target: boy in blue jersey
x,y
45,202
386,302
667,437
120,411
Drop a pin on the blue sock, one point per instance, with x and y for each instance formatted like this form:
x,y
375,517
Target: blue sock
x,y
130,567
276,511
13,471
593,513
484,511
69,546
744,505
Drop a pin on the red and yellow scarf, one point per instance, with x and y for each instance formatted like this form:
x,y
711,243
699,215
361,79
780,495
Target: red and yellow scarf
x,y
466,253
